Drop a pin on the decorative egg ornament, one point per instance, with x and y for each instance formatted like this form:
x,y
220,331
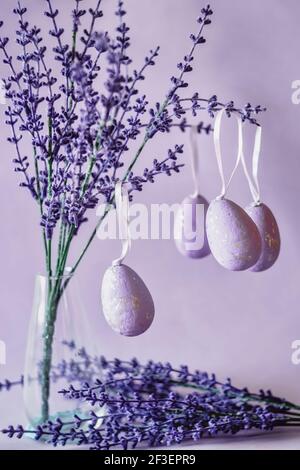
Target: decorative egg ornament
x,y
270,236
190,227
127,303
261,215
233,237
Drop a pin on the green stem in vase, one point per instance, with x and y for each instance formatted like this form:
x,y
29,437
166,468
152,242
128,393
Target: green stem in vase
x,y
53,299
51,312
54,294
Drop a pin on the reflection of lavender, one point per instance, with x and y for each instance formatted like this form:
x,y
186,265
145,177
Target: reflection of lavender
x,y
80,136
148,404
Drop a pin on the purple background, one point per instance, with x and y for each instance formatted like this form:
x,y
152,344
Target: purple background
x,y
236,324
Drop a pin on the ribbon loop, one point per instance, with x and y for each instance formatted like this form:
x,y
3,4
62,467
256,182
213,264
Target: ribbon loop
x,y
217,142
195,160
254,183
122,210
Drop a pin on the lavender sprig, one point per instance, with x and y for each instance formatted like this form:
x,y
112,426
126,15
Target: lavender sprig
x,y
83,142
167,376
8,384
139,404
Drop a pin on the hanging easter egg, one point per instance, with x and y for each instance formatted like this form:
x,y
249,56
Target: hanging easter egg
x,y
127,303
267,226
189,229
233,237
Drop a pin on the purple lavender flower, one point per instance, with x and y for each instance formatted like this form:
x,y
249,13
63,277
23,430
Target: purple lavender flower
x,y
80,145
145,404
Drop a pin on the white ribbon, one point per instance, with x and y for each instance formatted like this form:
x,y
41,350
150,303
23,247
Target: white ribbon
x,y
195,160
254,184
217,142
122,209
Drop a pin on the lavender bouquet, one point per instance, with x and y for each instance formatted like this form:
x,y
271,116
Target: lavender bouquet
x,y
80,132
152,405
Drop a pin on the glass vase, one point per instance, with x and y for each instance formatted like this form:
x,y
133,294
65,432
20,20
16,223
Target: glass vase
x,y
59,334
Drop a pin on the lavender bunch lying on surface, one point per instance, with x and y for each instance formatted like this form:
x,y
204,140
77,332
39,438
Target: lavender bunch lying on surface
x,y
85,137
155,404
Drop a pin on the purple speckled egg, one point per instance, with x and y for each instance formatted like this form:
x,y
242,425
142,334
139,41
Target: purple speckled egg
x,y
189,229
127,303
233,237
266,223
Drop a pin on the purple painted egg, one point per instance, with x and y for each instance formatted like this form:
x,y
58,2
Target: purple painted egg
x,y
266,223
127,303
233,237
189,229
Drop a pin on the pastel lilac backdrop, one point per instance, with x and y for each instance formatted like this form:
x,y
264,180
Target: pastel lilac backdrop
x,y
236,324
